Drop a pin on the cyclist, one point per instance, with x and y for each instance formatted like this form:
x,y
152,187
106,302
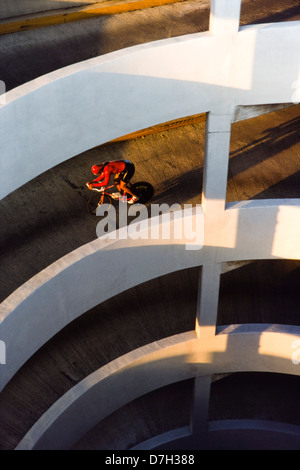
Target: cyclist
x,y
123,171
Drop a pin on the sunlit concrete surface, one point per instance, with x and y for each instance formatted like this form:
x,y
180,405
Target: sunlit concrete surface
x,y
179,333
179,358
236,76
40,51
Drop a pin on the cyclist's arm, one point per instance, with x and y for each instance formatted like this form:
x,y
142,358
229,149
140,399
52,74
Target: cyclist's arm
x,y
97,181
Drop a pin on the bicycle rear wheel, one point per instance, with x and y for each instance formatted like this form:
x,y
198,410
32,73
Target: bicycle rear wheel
x,y
96,201
143,190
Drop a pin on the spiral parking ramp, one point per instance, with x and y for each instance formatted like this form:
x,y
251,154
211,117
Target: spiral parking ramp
x,y
128,340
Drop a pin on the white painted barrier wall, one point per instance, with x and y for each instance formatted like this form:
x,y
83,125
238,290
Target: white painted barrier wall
x,y
179,357
18,313
62,114
40,123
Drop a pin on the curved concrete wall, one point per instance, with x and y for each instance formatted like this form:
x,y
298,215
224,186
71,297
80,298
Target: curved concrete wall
x,y
229,435
156,365
230,238
74,109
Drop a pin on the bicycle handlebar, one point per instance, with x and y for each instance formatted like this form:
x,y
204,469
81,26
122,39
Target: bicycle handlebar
x,y
100,190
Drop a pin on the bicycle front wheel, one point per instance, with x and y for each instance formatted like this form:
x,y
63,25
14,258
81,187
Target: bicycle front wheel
x,y
97,201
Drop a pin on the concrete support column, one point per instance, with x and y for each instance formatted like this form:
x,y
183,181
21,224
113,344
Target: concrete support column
x,y
208,300
199,413
199,416
216,158
224,16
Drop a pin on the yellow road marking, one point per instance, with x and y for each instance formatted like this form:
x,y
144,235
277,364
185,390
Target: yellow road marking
x,y
99,9
79,13
195,118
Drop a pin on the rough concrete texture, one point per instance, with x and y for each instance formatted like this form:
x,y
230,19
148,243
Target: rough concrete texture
x,y
47,218
10,9
40,51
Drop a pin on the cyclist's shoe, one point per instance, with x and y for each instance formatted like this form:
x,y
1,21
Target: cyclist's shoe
x,y
115,195
133,200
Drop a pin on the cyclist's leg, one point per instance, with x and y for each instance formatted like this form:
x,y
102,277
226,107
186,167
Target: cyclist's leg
x,y
125,178
121,185
117,180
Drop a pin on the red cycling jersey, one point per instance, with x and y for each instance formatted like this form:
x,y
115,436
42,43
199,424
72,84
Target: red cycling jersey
x,y
112,168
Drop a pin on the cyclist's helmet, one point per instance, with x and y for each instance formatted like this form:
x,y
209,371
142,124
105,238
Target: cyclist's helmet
x,y
97,169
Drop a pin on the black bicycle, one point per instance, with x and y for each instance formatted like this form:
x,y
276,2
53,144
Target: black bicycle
x,y
142,189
